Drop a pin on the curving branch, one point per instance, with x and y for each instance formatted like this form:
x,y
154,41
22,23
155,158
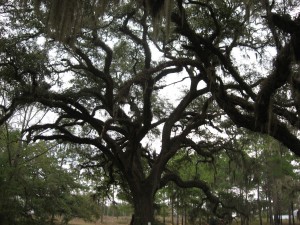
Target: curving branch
x,y
279,77
197,41
168,177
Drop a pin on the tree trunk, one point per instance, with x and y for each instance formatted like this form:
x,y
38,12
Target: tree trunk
x,y
102,202
143,208
270,209
290,215
182,217
292,208
177,211
164,215
185,215
172,208
259,205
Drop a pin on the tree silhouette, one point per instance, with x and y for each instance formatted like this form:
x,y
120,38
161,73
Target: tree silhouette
x,y
113,106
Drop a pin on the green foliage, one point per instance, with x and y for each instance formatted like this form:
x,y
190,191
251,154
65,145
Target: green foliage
x,y
34,187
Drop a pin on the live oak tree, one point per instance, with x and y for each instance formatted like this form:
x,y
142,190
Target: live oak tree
x,y
103,85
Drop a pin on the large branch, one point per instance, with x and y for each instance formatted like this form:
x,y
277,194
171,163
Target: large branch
x,y
142,77
274,128
105,76
190,184
77,140
140,41
109,54
207,150
279,77
177,113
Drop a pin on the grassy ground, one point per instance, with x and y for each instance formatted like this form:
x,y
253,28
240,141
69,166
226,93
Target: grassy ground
x,y
126,220
106,221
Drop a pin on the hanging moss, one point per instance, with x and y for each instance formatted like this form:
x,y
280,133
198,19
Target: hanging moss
x,y
65,16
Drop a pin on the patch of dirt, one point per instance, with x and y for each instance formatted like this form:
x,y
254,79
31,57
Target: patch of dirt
x,y
107,220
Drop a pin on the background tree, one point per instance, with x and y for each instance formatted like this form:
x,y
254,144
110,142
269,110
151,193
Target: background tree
x,y
34,188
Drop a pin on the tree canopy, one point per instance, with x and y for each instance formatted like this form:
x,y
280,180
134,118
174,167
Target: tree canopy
x,y
133,90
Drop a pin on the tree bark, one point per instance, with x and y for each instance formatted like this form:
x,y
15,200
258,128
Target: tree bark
x,y
143,208
290,215
172,208
259,204
270,209
102,209
292,208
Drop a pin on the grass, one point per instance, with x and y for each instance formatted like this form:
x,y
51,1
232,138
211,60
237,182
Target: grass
x,y
107,220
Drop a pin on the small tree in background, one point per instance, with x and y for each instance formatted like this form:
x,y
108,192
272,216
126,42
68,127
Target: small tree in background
x,y
34,188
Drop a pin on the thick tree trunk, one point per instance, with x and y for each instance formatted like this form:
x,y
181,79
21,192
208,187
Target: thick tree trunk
x,y
143,208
